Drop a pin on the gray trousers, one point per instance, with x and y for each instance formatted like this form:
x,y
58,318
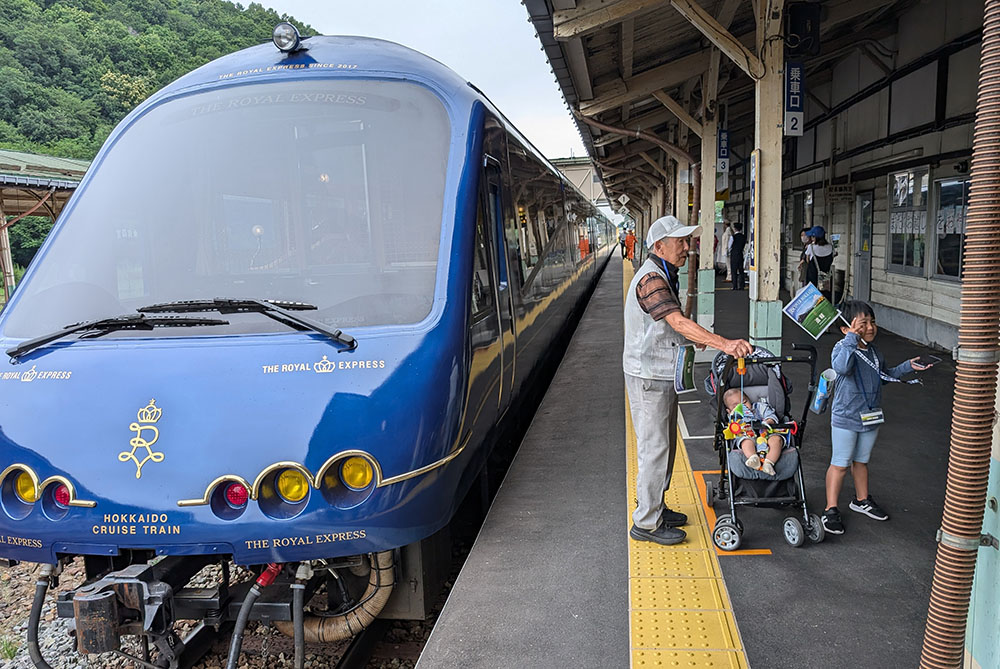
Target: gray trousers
x,y
654,416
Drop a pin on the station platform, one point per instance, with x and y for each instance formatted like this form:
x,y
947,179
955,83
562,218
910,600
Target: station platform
x,y
554,581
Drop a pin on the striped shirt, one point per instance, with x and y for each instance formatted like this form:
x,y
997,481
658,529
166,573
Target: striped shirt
x,y
655,297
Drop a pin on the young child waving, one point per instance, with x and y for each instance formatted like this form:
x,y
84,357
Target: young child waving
x,y
856,411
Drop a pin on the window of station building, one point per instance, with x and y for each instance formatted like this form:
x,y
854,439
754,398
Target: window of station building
x,y
908,193
952,196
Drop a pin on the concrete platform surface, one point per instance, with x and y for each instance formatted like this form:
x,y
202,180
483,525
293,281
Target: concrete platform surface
x,y
546,584
858,599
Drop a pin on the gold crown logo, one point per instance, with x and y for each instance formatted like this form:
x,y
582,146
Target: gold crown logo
x,y
149,413
324,366
29,375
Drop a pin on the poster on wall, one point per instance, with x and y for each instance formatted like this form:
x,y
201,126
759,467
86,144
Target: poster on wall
x,y
753,231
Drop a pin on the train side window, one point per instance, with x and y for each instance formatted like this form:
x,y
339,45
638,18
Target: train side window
x,y
482,277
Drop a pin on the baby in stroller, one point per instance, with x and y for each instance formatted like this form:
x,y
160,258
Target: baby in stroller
x,y
749,426
758,442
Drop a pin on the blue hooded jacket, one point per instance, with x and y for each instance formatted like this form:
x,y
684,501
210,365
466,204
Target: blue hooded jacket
x,y
858,387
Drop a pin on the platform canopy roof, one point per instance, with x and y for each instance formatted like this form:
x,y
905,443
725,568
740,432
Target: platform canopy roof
x,y
638,64
27,178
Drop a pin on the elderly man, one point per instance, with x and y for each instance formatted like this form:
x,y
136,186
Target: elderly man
x,y
655,328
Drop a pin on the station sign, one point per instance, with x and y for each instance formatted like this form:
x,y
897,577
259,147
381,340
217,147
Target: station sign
x,y
624,199
623,210
795,99
722,159
840,193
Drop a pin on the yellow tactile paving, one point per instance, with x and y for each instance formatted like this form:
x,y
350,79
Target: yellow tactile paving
x,y
679,659
699,593
680,614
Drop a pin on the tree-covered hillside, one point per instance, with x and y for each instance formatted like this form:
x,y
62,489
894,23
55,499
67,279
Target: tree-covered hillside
x,y
71,69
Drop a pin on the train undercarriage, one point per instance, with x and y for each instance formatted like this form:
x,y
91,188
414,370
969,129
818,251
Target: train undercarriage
x,y
178,607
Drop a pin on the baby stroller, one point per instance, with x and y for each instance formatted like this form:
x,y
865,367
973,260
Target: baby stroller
x,y
742,486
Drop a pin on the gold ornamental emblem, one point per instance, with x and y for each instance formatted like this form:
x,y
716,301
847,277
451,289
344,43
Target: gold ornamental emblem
x,y
143,428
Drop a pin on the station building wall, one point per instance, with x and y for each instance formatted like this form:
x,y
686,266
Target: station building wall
x,y
917,129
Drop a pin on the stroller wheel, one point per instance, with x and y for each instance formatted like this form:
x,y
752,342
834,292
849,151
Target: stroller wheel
x,y
726,536
793,532
726,518
710,495
816,532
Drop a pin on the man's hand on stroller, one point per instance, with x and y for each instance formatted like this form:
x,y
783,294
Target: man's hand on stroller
x,y
738,348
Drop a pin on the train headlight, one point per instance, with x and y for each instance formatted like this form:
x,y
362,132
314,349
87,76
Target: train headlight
x,y
24,486
286,37
356,473
292,485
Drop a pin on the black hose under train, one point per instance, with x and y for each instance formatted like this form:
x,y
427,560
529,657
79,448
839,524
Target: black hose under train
x,y
298,623
241,625
41,587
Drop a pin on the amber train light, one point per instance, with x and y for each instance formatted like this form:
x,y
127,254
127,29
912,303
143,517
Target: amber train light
x,y
21,490
282,489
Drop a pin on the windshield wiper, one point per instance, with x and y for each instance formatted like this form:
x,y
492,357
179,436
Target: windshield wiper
x,y
102,326
279,310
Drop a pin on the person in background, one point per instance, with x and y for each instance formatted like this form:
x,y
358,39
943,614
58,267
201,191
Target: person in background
x,y
819,258
630,245
655,328
855,413
806,240
723,252
621,241
736,246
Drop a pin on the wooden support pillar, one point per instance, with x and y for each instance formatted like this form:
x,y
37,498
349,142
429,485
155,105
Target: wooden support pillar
x,y
709,143
6,261
765,307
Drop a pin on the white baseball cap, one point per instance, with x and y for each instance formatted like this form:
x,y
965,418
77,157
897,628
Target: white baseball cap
x,y
668,226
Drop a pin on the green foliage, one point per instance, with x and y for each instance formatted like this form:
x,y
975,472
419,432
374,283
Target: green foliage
x,y
70,70
26,236
8,648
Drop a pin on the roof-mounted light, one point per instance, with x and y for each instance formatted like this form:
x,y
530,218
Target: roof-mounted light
x,y
286,37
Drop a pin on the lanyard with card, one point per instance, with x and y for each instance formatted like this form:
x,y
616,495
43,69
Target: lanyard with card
x,y
873,416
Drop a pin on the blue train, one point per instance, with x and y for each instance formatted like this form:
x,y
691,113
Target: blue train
x,y
279,322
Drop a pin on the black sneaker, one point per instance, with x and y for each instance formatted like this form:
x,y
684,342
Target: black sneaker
x,y
661,535
869,508
672,518
832,522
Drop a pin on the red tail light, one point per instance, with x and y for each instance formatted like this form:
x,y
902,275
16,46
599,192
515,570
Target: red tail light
x,y
61,495
237,494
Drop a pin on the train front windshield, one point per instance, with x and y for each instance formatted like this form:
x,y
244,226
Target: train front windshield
x,y
326,192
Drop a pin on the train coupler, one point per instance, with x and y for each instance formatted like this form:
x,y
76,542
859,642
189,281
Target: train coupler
x,y
136,600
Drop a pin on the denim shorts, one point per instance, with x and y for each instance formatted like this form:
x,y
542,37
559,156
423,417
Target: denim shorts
x,y
850,446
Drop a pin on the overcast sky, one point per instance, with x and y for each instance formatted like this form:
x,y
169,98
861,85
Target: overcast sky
x,y
489,42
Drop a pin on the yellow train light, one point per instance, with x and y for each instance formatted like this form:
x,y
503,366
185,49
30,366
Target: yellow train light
x,y
356,473
292,485
24,486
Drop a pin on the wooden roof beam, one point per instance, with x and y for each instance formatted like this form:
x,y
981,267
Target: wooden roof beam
x,y
645,122
642,85
591,15
720,37
656,166
677,110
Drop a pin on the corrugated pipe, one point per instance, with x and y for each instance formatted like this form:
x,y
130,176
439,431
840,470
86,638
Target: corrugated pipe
x,y
324,629
975,383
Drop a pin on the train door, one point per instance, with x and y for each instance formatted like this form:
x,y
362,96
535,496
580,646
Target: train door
x,y
485,339
494,207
